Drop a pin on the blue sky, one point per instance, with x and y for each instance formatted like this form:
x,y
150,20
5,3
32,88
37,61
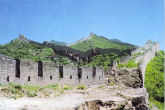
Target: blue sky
x,y
132,21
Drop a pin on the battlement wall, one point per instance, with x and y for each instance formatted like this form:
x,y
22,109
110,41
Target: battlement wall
x,y
29,72
149,53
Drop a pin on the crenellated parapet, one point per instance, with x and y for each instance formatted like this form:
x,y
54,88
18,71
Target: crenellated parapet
x,y
42,73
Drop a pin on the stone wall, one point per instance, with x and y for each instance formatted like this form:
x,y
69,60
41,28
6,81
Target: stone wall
x,y
149,52
133,77
124,59
49,73
7,69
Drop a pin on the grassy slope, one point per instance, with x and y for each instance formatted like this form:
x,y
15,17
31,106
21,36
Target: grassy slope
x,y
98,42
21,50
154,80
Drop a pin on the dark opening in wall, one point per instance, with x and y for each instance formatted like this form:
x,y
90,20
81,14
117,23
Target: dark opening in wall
x,y
50,77
87,77
40,69
28,78
70,77
17,68
61,71
99,77
94,71
79,73
7,78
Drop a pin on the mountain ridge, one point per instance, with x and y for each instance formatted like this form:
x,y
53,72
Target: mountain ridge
x,y
82,39
89,38
95,41
58,42
40,50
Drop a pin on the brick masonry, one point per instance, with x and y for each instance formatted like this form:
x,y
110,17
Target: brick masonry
x,y
51,75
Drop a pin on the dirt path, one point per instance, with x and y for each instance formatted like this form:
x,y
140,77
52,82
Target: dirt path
x,y
116,94
65,102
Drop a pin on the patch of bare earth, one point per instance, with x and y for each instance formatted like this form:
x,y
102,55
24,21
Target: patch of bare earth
x,y
98,97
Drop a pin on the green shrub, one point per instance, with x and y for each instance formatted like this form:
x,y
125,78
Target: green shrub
x,y
11,84
31,88
154,79
17,92
67,87
82,87
131,64
52,86
6,90
111,84
31,94
157,103
18,86
15,96
62,91
150,106
137,54
104,60
14,91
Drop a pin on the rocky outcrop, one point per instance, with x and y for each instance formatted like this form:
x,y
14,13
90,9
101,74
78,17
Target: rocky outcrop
x,y
126,99
134,104
100,105
134,77
131,77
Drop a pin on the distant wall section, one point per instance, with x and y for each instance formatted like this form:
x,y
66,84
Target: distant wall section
x,y
149,53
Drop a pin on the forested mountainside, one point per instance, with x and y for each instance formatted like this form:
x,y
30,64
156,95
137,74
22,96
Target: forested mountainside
x,y
94,41
22,48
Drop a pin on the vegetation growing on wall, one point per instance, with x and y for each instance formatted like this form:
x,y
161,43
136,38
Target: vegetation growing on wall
x,y
154,80
137,54
131,63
